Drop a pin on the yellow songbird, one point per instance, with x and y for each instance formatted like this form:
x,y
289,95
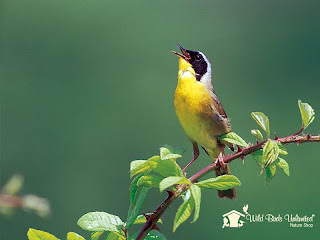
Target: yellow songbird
x,y
200,111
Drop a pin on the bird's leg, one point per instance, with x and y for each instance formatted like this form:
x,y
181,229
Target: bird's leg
x,y
220,161
195,155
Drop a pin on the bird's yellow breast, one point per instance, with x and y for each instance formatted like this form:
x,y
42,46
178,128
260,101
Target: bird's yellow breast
x,y
191,96
194,108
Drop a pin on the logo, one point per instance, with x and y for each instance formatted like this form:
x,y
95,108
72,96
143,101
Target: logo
x,y
232,218
236,219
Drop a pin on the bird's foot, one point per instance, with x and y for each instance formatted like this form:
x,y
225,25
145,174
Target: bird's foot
x,y
219,160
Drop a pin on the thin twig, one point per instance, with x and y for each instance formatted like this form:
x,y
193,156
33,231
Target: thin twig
x,y
155,216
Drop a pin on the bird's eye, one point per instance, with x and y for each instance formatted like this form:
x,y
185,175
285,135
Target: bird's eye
x,y
198,57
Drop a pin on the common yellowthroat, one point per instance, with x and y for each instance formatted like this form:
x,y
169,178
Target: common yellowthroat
x,y
200,111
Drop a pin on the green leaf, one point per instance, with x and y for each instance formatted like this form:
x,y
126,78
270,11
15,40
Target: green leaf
x,y
270,172
100,221
74,236
282,149
150,181
115,236
256,133
233,138
137,197
183,212
223,182
153,234
170,181
34,234
284,165
142,219
169,152
134,187
307,113
136,163
196,193
165,168
96,235
270,152
262,120
138,166
176,150
136,205
257,156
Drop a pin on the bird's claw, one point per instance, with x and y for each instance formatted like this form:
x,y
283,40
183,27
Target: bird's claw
x,y
220,161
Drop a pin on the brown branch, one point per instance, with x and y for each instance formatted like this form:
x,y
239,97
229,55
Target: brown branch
x,y
153,219
299,139
7,200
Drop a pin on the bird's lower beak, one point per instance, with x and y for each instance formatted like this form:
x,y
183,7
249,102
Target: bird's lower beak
x,y
185,55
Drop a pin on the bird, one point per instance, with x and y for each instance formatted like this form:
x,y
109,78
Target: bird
x,y
200,112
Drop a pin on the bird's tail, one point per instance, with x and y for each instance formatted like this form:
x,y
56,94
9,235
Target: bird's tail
x,y
230,193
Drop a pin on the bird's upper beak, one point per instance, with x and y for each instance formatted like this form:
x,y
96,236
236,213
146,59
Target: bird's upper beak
x,y
185,55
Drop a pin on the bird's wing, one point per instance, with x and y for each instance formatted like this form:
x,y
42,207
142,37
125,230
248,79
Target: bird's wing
x,y
220,112
218,105
220,108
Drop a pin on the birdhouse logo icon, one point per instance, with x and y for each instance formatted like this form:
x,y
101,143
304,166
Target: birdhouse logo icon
x,y
233,218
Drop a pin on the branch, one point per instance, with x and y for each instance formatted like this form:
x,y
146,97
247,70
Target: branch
x,y
38,205
7,200
153,219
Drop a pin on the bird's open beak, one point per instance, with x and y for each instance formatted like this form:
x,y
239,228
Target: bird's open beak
x,y
185,55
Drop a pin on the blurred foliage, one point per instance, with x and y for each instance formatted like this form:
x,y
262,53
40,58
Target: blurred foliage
x,y
10,200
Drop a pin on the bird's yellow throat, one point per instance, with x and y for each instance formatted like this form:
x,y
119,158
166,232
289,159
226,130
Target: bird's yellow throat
x,y
184,68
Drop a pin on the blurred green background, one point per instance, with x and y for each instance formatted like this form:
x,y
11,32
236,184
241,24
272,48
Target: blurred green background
x,y
87,87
